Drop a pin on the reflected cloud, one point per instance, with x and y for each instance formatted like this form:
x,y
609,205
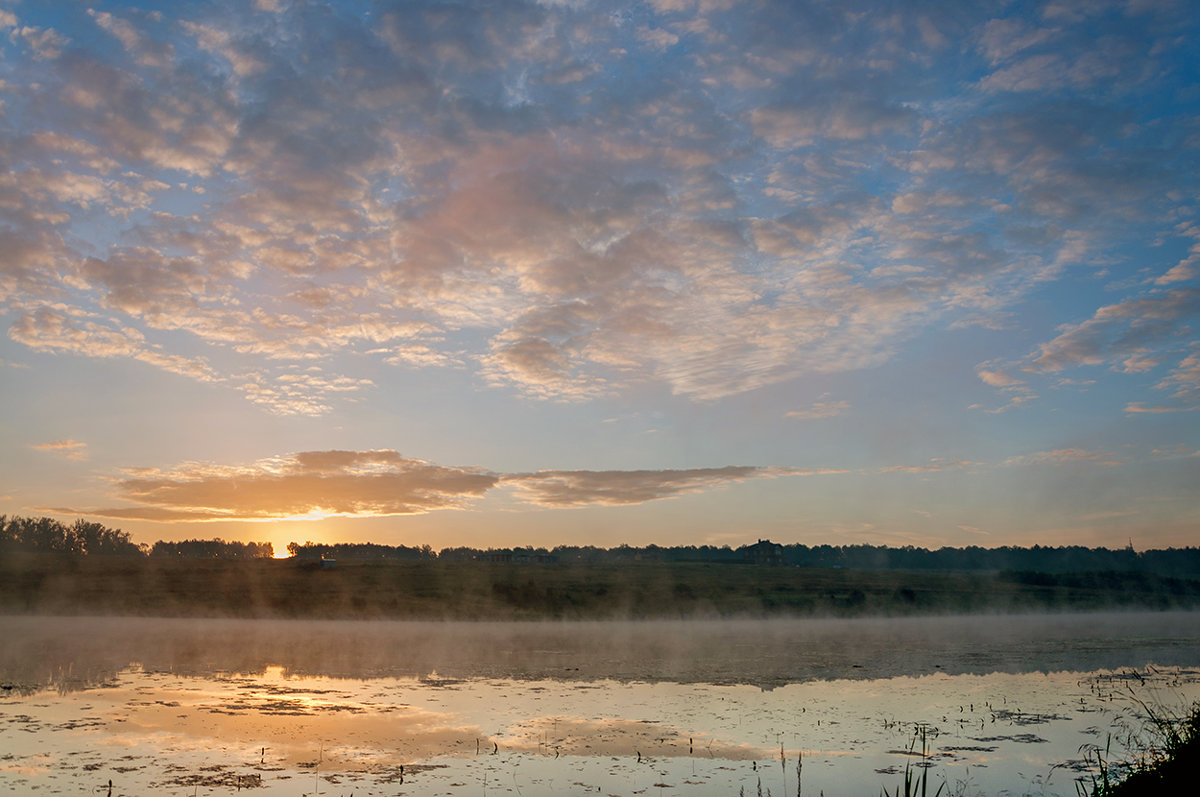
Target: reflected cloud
x,y
286,715
623,737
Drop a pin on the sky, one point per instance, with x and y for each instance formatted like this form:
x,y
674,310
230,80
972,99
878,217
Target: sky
x,y
679,272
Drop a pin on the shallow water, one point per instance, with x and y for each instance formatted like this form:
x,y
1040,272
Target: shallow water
x,y
296,708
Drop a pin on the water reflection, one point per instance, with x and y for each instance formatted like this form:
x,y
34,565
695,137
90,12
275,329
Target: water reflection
x,y
289,708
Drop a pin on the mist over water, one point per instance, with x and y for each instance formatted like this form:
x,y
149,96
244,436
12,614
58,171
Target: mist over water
x,y
701,708
40,651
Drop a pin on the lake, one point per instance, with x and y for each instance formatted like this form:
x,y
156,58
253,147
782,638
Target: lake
x,y
1005,704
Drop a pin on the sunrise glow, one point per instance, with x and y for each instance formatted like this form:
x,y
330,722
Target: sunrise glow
x,y
531,273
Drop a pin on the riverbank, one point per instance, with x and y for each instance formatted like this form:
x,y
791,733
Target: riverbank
x,y
1167,764
33,584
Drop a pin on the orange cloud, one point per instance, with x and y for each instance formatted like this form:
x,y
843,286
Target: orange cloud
x,y
308,484
71,449
320,484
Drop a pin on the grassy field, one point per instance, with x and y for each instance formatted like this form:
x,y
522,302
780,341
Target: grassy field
x,y
481,590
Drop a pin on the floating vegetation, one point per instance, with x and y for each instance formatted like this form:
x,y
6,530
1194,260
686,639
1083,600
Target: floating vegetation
x,y
1020,738
917,783
219,776
1024,718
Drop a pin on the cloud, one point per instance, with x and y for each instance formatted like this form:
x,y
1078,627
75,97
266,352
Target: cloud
x,y
657,38
1119,330
310,484
420,355
820,409
564,488
1003,38
1135,336
298,392
1184,383
1180,272
1063,456
319,484
848,118
52,330
1179,450
71,449
1015,390
221,42
936,465
1187,268
1184,379
45,43
148,52
1140,408
1036,73
566,203
1132,337
997,378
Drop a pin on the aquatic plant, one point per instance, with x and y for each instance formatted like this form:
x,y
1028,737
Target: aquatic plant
x,y
1166,755
1101,778
914,783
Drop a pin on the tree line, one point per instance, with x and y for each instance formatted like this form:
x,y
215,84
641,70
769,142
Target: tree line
x,y
46,535
212,549
359,550
85,538
1038,558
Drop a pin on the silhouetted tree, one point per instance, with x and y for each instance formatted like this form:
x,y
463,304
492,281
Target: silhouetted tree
x,y
358,550
212,549
47,535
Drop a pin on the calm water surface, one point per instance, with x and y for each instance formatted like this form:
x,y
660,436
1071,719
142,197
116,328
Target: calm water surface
x,y
193,707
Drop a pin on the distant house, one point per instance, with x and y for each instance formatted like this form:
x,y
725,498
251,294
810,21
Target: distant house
x,y
328,564
763,552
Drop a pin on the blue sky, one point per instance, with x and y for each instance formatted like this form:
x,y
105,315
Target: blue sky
x,y
685,271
